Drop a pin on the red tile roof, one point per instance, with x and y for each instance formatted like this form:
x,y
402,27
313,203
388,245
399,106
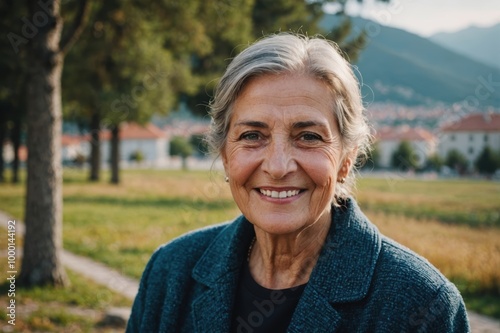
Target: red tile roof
x,y
404,133
68,140
475,122
186,129
133,131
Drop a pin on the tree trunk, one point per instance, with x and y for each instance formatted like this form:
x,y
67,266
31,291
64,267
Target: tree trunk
x,y
3,130
115,154
15,138
95,146
41,263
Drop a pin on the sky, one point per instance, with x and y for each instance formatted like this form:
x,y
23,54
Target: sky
x,y
427,17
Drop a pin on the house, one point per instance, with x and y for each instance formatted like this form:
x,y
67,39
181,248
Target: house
x,y
470,134
388,139
8,153
186,129
72,147
147,140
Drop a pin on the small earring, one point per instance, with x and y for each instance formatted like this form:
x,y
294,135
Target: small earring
x,y
226,179
342,180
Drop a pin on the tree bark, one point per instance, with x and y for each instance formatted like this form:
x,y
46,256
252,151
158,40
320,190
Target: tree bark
x,y
115,154
15,138
95,146
3,130
41,263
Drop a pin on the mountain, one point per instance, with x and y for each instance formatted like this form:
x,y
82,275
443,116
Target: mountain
x,y
401,67
481,44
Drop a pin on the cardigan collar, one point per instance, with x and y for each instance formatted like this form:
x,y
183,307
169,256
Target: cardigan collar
x,y
342,273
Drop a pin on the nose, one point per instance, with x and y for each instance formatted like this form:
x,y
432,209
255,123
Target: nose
x,y
278,159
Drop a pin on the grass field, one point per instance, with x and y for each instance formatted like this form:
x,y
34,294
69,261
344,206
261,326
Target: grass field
x,y
455,224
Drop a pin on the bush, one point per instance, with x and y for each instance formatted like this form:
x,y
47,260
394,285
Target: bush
x,y
487,162
199,144
434,162
136,156
180,146
457,161
404,157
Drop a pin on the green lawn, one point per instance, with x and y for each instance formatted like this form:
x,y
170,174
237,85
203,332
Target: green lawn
x,y
468,202
121,225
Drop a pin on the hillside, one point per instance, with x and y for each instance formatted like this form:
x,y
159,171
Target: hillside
x,y
404,68
480,44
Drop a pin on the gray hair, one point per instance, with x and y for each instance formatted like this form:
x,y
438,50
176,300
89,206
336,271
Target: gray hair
x,y
287,53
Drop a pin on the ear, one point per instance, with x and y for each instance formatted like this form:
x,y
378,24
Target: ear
x,y
347,164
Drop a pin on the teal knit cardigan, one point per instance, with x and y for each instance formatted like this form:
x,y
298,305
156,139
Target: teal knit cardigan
x,y
362,282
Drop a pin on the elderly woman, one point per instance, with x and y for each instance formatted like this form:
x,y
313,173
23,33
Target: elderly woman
x,y
289,127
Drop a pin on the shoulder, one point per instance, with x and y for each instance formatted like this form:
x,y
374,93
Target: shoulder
x,y
186,250
400,271
408,294
399,263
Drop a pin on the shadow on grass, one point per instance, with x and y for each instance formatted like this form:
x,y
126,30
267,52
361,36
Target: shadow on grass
x,y
151,202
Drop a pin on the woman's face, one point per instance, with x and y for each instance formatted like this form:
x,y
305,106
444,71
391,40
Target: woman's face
x,y
283,152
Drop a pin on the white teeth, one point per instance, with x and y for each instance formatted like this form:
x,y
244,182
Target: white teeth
x,y
280,195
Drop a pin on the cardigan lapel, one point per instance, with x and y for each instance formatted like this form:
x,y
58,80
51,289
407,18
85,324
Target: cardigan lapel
x,y
314,314
343,272
218,272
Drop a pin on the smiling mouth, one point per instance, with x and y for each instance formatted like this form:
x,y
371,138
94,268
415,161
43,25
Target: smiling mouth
x,y
279,194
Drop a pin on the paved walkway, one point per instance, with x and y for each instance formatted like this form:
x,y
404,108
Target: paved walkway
x,y
128,287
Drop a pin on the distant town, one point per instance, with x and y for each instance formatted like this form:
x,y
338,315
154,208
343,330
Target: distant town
x,y
448,141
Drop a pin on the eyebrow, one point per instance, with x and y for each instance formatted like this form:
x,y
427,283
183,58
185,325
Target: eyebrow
x,y
297,125
305,124
252,123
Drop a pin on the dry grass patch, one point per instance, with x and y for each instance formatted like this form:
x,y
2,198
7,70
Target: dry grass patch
x,y
459,252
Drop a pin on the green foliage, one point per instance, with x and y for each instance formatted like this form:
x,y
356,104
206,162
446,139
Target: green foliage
x,y
120,68
434,162
456,160
180,146
136,156
285,15
488,161
373,158
199,144
404,157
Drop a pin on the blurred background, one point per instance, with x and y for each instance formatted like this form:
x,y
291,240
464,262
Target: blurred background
x,y
103,108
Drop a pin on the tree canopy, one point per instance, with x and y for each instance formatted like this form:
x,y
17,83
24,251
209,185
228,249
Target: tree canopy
x,y
456,160
488,161
404,157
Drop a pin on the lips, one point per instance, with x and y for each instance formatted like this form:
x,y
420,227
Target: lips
x,y
279,194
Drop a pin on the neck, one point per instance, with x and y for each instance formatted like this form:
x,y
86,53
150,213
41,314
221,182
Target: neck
x,y
286,261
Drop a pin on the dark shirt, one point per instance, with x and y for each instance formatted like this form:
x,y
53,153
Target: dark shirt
x,y
258,309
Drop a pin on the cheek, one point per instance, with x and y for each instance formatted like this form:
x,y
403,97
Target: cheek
x,y
240,163
322,167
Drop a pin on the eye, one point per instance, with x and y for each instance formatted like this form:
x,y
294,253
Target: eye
x,y
310,137
250,136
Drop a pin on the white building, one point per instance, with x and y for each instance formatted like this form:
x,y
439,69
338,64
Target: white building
x,y
470,135
148,140
72,147
388,139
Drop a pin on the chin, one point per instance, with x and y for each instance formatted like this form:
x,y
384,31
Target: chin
x,y
280,224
